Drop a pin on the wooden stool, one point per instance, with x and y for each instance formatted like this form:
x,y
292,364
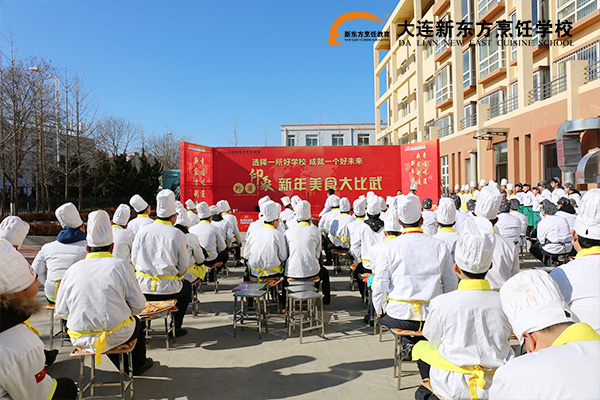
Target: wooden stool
x,y
159,310
62,335
313,316
340,259
426,383
398,334
125,380
243,313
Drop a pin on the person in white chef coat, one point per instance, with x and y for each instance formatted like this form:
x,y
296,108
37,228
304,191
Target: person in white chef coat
x,y
160,257
98,297
143,213
325,224
506,253
579,280
553,234
446,217
508,225
197,269
467,332
338,235
237,238
23,373
430,225
211,239
563,360
411,270
55,258
14,229
191,212
122,237
287,212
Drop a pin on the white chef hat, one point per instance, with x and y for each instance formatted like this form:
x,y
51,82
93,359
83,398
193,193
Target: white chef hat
x,y
493,183
223,205
391,222
370,193
68,216
285,200
388,200
334,201
587,223
373,206
392,201
270,210
532,301
214,210
413,185
99,231
302,210
466,187
138,204
473,184
14,229
446,212
182,216
190,204
165,204
382,203
360,206
503,182
15,273
263,200
122,214
203,210
509,186
456,187
409,208
482,182
295,199
344,205
474,248
488,202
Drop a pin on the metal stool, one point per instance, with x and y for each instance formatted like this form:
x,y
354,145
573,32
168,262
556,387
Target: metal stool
x,y
310,316
273,286
296,288
62,334
398,334
340,259
125,383
147,317
243,313
215,267
195,301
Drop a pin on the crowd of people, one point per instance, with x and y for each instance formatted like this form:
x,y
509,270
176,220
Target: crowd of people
x,y
448,268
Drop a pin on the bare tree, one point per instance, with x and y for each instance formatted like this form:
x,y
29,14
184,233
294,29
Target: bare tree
x,y
266,137
117,135
166,149
234,138
320,119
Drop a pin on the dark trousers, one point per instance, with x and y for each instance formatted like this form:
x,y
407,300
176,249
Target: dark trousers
x,y
538,252
325,285
358,271
138,355
183,300
236,252
65,389
327,248
406,324
221,257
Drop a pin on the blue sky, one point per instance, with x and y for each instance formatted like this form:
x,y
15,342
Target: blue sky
x,y
189,66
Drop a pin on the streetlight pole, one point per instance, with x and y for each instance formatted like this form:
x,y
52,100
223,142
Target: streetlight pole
x,y
56,84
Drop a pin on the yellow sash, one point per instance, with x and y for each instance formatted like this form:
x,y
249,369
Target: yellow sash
x,y
101,342
28,323
54,384
198,270
156,279
424,351
416,307
56,291
264,271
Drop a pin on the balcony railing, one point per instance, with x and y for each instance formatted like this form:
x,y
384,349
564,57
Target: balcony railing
x,y
592,72
467,121
548,90
447,130
503,107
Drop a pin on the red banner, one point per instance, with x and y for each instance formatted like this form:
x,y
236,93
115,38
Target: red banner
x,y
242,175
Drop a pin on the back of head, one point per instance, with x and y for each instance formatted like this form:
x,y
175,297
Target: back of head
x,y
382,203
427,203
138,204
165,204
587,223
99,231
263,200
457,201
122,214
214,210
182,216
68,216
474,248
488,202
514,204
532,301
549,207
285,200
14,229
190,204
446,212
373,206
504,206
334,201
391,222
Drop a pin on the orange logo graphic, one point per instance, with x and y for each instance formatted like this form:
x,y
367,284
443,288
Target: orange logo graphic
x,y
333,33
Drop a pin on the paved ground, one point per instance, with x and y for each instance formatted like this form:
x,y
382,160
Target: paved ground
x,y
350,363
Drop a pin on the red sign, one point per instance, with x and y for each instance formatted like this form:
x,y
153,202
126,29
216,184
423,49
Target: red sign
x,y
242,175
245,219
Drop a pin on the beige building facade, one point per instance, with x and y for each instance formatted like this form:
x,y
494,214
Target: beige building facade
x,y
496,108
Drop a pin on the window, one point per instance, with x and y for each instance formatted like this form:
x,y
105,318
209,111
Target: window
x,y
574,10
491,56
483,6
446,125
470,115
429,89
385,141
539,12
443,85
428,49
363,139
291,140
513,32
513,96
403,67
404,139
541,91
469,67
501,150
404,107
588,53
444,170
467,10
312,140
337,140
428,126
496,102
441,42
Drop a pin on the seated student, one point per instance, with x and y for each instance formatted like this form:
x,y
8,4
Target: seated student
x,y
267,251
325,225
287,212
446,217
191,212
233,222
461,213
161,257
553,234
226,228
579,280
22,372
123,237
430,226
143,214
99,296
507,225
567,211
562,360
515,205
336,229
54,258
197,270
211,239
466,330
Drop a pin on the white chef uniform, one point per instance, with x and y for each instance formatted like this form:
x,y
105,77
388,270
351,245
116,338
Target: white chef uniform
x,y
210,237
570,218
509,226
359,206
304,246
191,212
446,215
140,206
327,219
122,238
337,227
554,234
225,211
